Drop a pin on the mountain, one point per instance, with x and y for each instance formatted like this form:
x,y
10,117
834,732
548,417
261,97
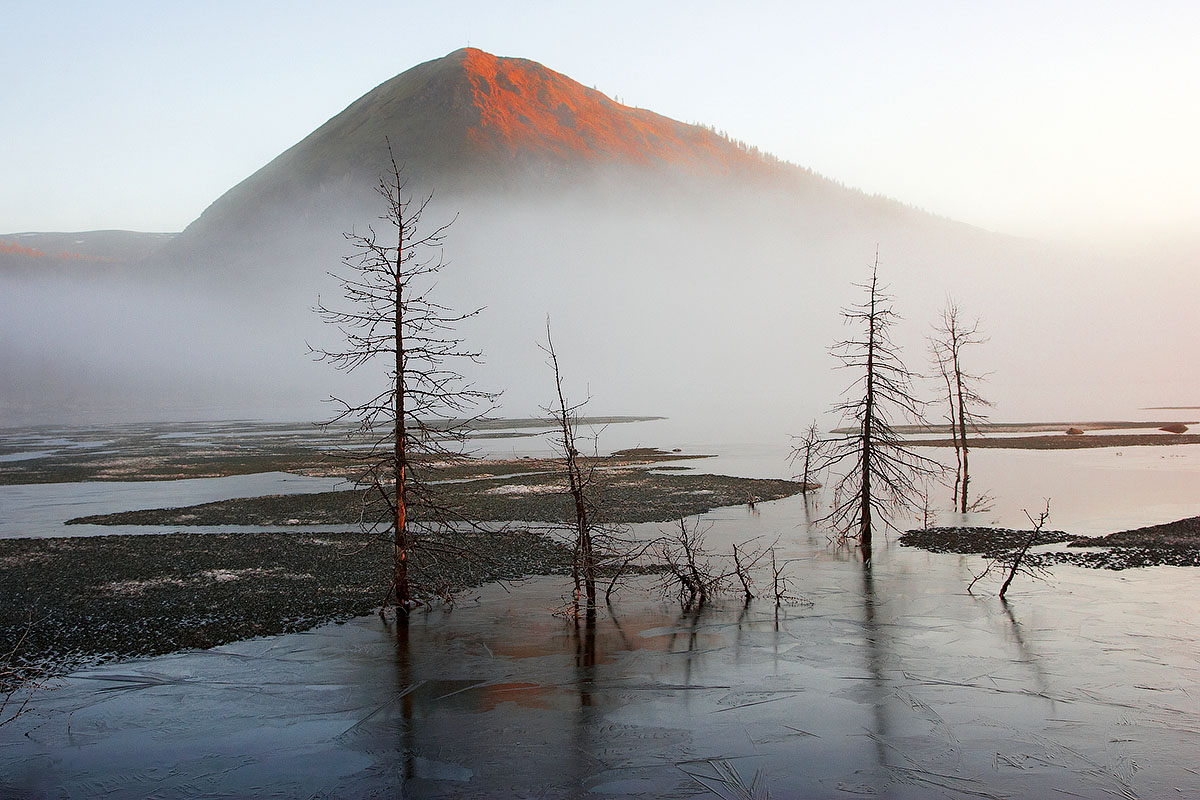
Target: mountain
x,y
471,123
686,275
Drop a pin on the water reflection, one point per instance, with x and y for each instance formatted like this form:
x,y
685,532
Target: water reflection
x,y
892,681
1028,657
874,653
407,737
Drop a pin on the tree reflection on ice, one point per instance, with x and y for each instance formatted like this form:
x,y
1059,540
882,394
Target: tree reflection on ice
x,y
892,681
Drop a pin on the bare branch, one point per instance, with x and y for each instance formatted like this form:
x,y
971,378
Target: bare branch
x,y
390,315
881,475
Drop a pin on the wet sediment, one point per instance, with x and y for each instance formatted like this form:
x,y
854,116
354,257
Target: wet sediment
x,y
72,602
624,496
1170,544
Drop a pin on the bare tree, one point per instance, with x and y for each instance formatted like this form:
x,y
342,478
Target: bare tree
x,y
807,448
695,575
580,480
1015,561
883,475
391,317
691,571
951,415
781,584
599,546
951,336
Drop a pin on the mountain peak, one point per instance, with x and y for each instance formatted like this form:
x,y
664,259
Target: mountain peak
x,y
519,107
459,121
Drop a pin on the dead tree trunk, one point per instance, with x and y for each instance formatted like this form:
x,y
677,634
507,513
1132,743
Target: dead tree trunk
x,y
400,461
883,471
583,570
807,448
390,315
952,418
951,336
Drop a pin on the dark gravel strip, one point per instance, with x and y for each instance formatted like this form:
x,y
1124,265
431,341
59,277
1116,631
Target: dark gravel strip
x,y
92,599
1060,441
1174,544
624,497
989,542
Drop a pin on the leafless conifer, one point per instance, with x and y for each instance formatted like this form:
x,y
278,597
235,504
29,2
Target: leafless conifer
x,y
390,316
580,481
600,547
883,473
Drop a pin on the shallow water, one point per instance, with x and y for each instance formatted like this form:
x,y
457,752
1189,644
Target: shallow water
x,y
39,510
1090,491
889,681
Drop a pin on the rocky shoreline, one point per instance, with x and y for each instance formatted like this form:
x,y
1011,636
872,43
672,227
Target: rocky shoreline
x,y
623,496
74,602
1174,544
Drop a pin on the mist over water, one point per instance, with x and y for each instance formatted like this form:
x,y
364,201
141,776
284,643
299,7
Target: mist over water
x,y
706,301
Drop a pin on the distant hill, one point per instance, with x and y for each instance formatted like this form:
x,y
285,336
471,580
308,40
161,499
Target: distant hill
x,y
42,251
686,274
472,124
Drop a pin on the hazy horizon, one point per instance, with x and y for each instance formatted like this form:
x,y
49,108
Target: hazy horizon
x,y
728,332
1066,122
1063,122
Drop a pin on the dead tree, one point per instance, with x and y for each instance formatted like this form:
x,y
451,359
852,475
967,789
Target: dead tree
x,y
691,572
951,415
781,584
807,448
389,316
741,571
883,473
951,336
1016,561
580,479
695,575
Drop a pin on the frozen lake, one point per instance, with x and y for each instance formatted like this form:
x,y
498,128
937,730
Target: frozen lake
x,y
40,510
888,681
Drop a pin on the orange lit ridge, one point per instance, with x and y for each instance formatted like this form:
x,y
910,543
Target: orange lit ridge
x,y
12,248
524,106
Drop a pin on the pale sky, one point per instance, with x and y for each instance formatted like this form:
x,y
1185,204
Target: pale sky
x,y
1073,122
